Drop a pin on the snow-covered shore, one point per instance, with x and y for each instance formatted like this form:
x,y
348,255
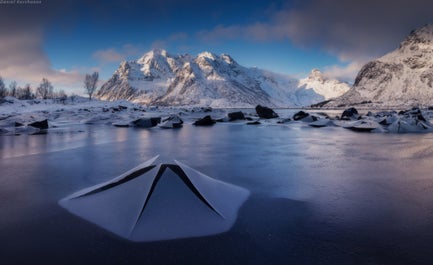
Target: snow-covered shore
x,y
41,116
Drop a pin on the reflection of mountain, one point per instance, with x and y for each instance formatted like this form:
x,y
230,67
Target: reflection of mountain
x,y
159,78
403,77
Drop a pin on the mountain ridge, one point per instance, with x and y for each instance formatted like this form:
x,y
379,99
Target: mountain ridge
x,y
159,78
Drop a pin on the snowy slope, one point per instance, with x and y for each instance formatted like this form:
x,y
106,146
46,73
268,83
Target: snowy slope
x,y
403,77
159,78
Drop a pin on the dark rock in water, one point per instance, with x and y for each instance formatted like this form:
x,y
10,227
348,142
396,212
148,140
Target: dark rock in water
x,y
360,129
350,113
147,122
300,115
122,107
238,115
384,122
206,109
174,118
421,118
430,108
265,112
121,125
172,122
105,110
320,123
18,124
206,121
40,124
139,109
253,123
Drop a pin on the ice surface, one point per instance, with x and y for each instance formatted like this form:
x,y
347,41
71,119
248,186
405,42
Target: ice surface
x,y
325,195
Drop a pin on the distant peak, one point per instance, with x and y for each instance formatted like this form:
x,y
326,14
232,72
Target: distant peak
x,y
208,55
227,58
159,51
155,52
316,74
315,71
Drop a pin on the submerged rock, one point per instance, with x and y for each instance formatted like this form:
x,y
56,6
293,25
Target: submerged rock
x,y
364,125
265,112
121,125
147,122
300,115
253,123
320,123
40,124
171,122
4,131
409,125
284,121
205,121
238,115
349,114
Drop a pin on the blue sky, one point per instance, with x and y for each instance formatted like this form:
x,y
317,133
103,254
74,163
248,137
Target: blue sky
x,y
63,40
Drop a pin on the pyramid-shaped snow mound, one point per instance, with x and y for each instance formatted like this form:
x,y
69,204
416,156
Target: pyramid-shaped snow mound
x,y
159,202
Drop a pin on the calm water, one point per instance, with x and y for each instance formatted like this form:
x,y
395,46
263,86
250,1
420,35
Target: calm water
x,y
319,196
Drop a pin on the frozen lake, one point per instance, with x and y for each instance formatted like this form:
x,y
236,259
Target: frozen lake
x,y
319,196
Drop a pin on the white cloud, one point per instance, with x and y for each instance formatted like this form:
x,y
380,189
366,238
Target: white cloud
x,y
24,60
345,73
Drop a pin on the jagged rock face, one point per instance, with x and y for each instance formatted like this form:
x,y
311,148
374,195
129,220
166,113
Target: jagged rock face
x,y
159,78
401,78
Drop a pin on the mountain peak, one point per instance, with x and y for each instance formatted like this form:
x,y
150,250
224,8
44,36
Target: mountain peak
x,y
329,88
421,36
227,58
424,32
208,55
152,54
316,74
158,51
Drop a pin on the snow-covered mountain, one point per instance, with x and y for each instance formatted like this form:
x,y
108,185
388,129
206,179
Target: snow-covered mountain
x,y
401,78
159,78
322,85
